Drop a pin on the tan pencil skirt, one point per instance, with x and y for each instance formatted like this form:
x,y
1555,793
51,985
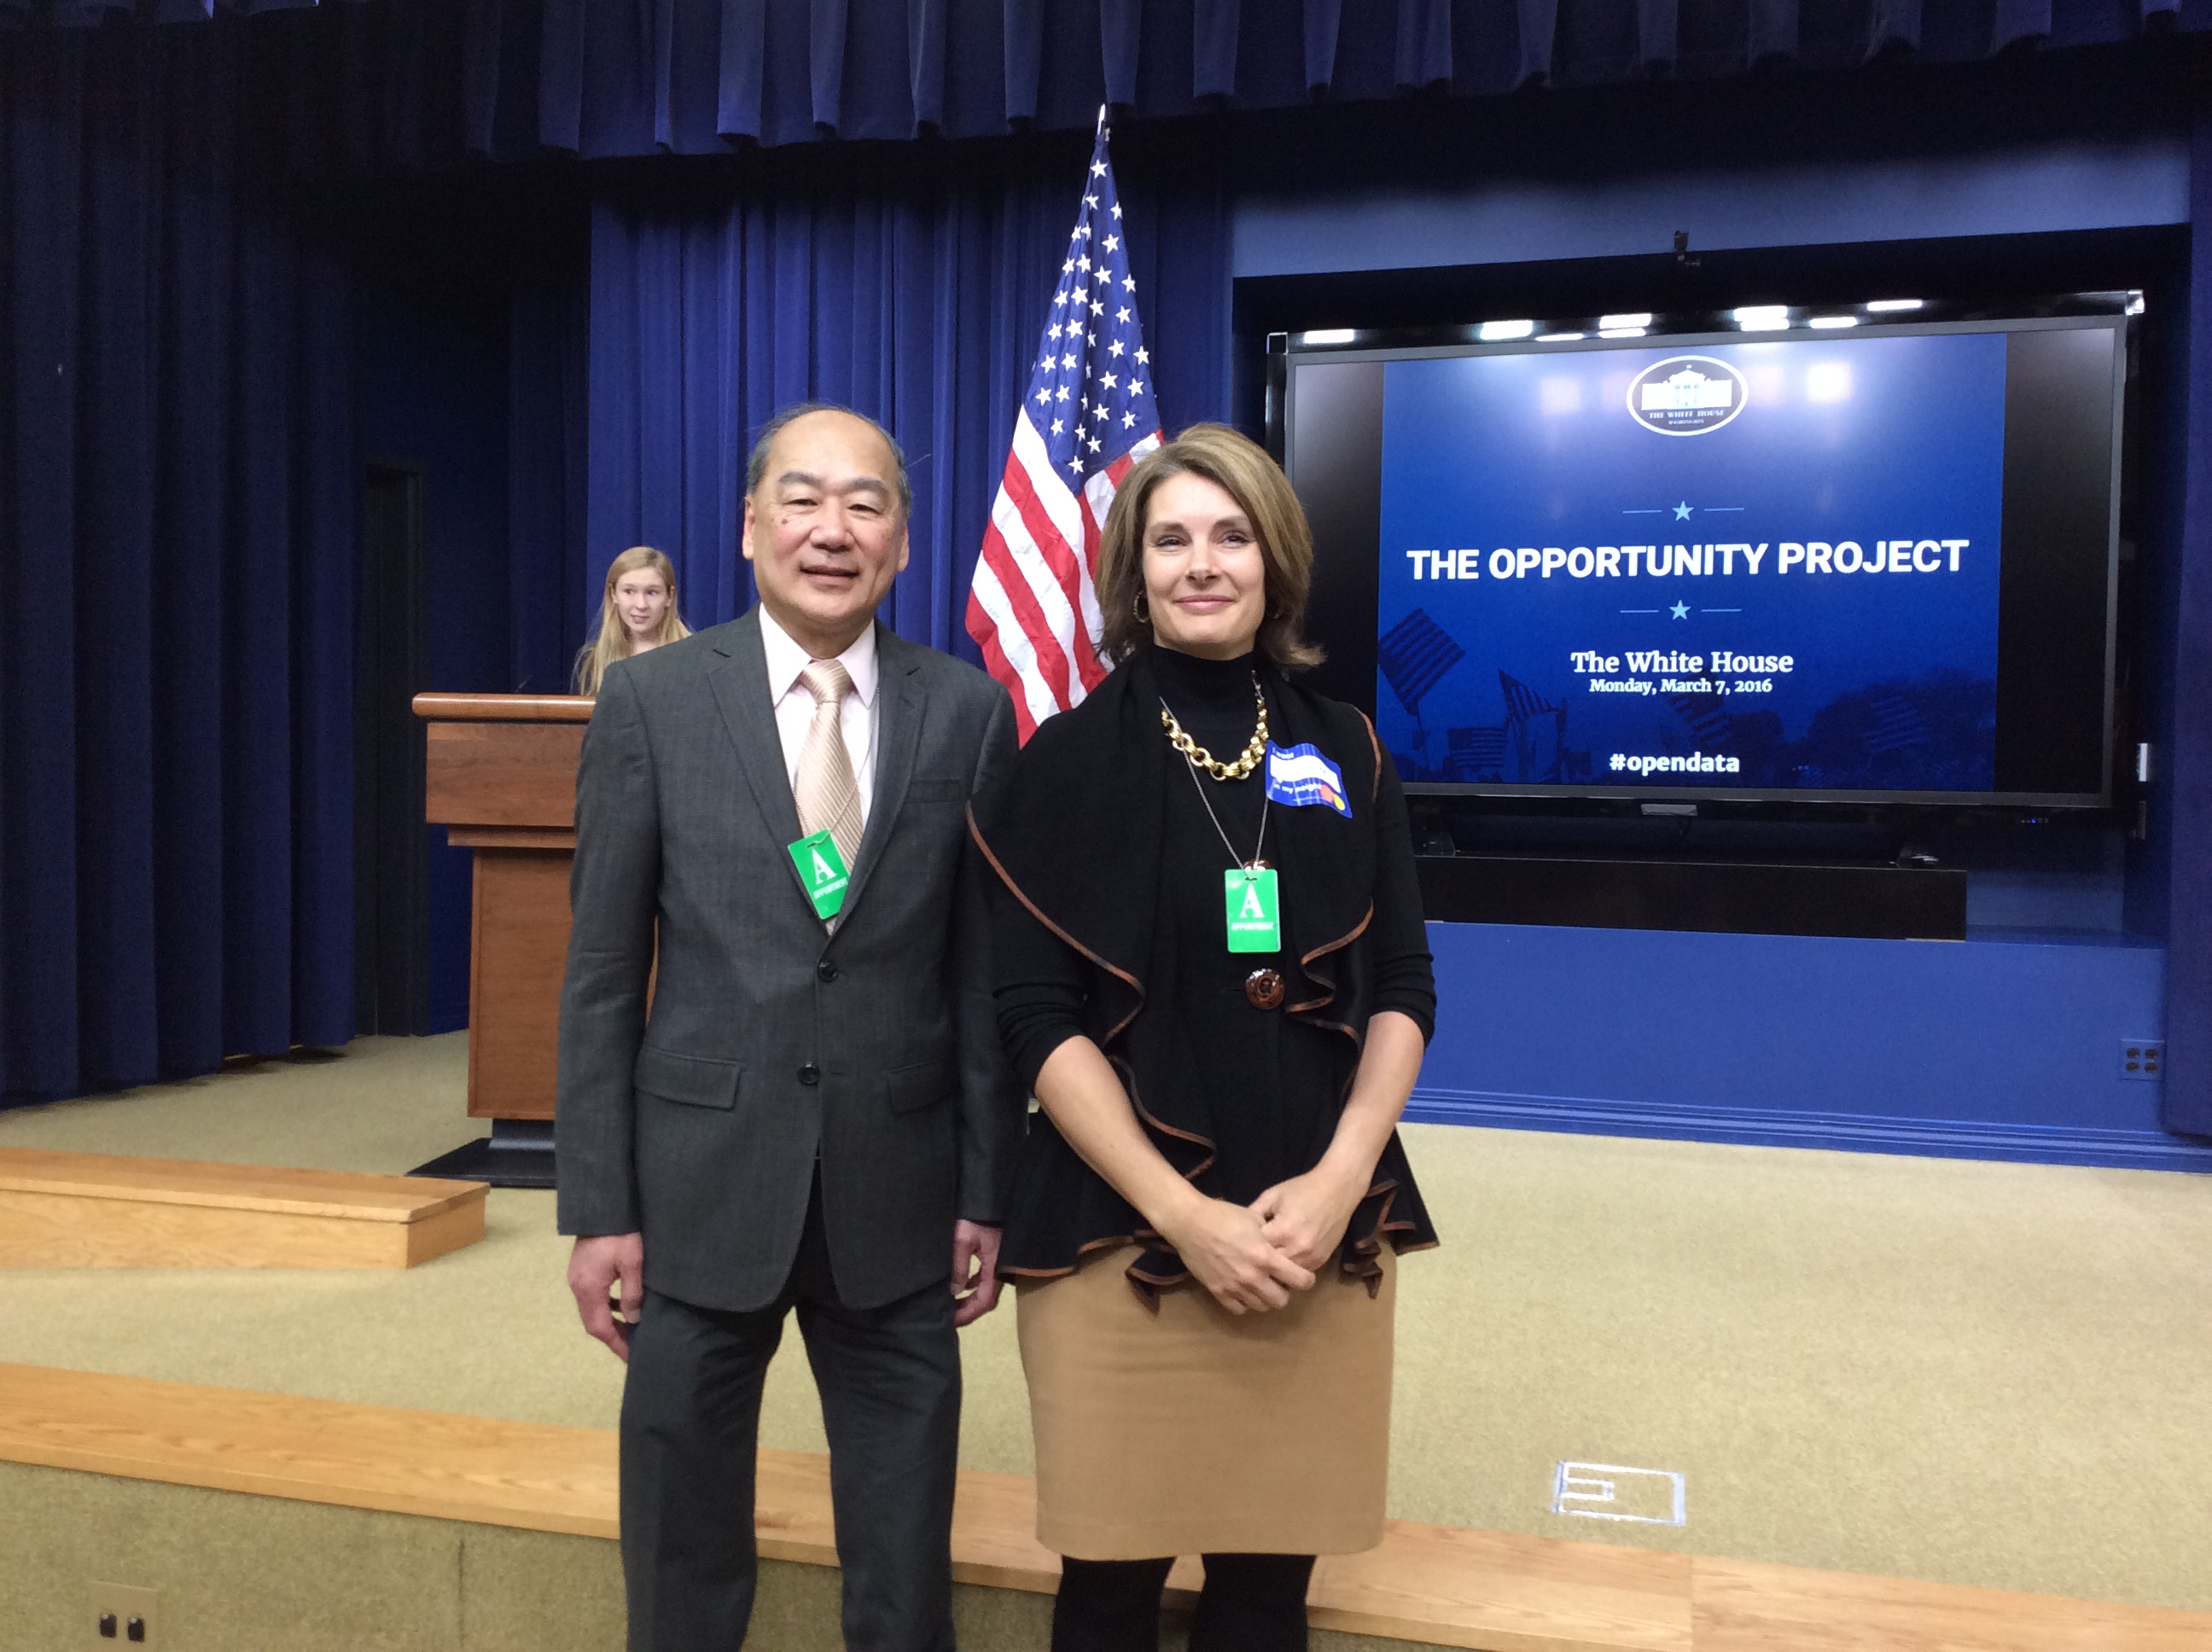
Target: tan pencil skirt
x,y
1197,1430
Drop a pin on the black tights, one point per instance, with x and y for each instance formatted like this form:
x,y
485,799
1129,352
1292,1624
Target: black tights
x,y
1251,1603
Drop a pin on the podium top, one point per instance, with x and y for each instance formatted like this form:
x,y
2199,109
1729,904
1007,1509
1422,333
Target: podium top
x,y
503,708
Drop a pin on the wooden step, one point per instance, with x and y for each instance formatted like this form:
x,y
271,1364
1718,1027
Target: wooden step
x,y
1431,1585
99,1210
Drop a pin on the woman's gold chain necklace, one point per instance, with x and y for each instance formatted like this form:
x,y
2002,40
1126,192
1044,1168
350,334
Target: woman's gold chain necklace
x,y
1201,758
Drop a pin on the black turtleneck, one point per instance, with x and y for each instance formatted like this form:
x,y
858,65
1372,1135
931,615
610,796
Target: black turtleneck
x,y
1212,698
1275,1110
1217,703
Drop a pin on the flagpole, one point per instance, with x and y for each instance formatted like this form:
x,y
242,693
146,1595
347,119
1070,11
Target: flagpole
x,y
1087,416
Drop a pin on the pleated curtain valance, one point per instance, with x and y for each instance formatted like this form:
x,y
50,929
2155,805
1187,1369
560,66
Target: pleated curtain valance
x,y
418,81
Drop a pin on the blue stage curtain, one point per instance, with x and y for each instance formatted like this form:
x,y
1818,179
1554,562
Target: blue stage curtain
x,y
413,83
916,293
552,596
177,529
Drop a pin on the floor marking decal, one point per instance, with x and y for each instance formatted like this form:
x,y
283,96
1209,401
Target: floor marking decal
x,y
1625,1489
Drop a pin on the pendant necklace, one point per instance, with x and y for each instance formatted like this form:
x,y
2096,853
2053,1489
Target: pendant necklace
x,y
1251,902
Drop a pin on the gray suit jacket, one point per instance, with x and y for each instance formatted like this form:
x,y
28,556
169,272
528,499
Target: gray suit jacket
x,y
771,1040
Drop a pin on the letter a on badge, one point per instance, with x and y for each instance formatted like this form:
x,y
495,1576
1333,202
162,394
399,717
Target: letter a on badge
x,y
823,870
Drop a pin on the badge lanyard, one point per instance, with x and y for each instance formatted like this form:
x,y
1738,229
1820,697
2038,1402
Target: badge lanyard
x,y
1250,898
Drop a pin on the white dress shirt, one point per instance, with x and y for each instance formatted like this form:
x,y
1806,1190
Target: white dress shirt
x,y
795,703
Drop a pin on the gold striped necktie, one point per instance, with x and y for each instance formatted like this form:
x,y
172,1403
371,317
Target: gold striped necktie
x,y
828,798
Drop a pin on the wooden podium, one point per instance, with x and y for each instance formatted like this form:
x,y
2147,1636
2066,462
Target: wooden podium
x,y
500,774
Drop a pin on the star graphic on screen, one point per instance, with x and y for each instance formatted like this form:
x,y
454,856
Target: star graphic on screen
x,y
1682,512
1680,610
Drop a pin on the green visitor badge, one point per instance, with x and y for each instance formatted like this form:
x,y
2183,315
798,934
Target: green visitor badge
x,y
1256,919
821,870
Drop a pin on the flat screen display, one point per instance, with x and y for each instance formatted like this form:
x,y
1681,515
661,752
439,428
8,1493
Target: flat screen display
x,y
1873,563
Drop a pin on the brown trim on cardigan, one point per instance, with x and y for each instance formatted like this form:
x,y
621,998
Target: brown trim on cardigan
x,y
1129,1075
1344,940
1329,997
975,832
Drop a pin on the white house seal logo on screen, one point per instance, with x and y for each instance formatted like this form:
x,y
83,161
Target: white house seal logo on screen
x,y
1686,395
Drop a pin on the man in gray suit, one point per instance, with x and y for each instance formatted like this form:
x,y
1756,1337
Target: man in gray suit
x,y
817,1114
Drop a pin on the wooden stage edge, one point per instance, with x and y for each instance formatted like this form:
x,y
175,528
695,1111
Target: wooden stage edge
x,y
102,1210
1429,1584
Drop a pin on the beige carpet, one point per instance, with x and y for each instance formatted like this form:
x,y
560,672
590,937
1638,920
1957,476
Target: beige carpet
x,y
1988,1373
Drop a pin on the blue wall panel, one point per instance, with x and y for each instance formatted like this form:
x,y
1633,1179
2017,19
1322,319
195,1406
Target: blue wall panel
x,y
1982,1049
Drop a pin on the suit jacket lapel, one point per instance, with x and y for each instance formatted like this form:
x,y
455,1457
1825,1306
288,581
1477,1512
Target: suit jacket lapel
x,y
898,732
738,678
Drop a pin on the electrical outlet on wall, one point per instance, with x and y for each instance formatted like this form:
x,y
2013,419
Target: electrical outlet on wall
x,y
2142,1058
116,1614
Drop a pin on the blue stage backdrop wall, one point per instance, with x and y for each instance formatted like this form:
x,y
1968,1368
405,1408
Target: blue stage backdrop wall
x,y
2044,1082
916,293
176,528
1987,1049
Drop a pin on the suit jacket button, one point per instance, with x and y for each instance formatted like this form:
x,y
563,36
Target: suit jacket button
x,y
827,970
810,1074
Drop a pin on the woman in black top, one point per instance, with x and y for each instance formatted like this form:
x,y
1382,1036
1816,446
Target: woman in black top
x,y
1212,972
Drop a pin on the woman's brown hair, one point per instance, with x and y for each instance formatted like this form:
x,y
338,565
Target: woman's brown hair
x,y
1240,468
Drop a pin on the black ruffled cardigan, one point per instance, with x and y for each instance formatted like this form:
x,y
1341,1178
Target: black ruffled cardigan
x,y
1078,847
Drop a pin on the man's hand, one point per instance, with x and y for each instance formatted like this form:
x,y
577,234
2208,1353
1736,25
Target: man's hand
x,y
975,1271
594,1264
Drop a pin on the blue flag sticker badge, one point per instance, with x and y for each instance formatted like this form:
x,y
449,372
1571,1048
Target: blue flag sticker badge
x,y
1299,777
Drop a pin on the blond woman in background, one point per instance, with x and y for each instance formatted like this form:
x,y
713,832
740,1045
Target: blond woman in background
x,y
637,612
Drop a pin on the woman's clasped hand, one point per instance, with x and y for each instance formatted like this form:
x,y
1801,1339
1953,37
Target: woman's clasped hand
x,y
1228,1250
1305,1216
1250,1257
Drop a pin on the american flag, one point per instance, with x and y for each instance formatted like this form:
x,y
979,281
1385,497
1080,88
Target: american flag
x,y
1415,654
1521,702
1475,754
1088,415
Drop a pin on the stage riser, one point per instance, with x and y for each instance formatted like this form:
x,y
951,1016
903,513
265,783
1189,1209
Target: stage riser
x,y
106,1209
61,1230
246,1574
